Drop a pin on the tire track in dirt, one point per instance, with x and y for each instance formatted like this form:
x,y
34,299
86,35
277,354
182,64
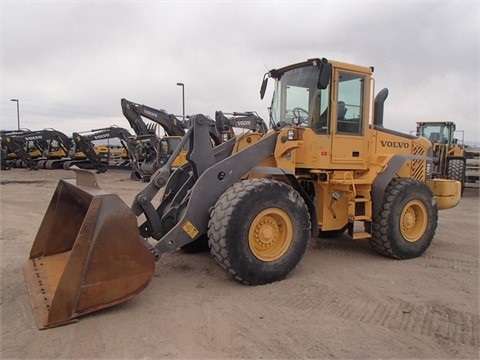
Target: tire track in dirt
x,y
342,246
452,264
434,320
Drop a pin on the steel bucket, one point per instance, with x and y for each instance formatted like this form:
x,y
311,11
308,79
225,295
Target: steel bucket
x,y
87,255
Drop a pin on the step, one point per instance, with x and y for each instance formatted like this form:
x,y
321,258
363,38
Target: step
x,y
361,235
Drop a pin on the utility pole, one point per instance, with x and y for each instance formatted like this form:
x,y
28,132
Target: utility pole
x,y
183,98
18,112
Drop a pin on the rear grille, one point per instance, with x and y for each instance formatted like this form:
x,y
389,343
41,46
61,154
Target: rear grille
x,y
419,166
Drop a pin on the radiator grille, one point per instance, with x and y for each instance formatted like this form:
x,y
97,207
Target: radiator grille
x,y
419,166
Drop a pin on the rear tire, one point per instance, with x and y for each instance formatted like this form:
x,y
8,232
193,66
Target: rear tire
x,y
456,171
259,230
406,223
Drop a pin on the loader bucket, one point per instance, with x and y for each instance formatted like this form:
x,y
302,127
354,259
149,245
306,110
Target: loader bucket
x,y
87,255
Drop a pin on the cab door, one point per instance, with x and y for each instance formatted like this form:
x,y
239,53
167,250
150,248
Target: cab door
x,y
349,119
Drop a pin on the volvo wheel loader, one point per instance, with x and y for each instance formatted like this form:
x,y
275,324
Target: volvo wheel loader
x,y
448,155
326,164
452,159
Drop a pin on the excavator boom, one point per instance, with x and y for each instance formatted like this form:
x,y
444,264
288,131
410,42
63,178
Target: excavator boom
x,y
84,143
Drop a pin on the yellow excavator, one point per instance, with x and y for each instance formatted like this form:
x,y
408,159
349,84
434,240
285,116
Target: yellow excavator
x,y
326,164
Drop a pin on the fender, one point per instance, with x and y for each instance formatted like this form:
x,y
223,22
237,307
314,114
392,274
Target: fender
x,y
382,180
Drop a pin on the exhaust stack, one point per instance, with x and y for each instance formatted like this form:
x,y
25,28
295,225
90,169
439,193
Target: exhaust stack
x,y
379,107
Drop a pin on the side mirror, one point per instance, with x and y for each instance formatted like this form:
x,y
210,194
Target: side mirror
x,y
324,75
263,88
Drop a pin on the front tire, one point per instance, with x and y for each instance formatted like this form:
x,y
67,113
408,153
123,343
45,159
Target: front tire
x,y
406,223
259,230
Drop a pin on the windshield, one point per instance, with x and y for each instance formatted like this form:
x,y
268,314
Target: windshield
x,y
436,133
297,100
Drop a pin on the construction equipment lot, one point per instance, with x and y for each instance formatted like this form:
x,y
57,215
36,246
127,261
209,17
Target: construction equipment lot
x,y
343,301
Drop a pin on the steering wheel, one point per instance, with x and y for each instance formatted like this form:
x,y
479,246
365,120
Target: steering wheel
x,y
297,113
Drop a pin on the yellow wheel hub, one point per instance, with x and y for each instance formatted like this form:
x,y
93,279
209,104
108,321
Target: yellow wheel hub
x,y
271,234
413,220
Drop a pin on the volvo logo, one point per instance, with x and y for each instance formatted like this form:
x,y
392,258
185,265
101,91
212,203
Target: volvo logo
x,y
38,137
150,113
395,144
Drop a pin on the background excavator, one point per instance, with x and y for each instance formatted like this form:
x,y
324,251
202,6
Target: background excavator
x,y
9,158
257,199
152,151
226,123
53,145
86,149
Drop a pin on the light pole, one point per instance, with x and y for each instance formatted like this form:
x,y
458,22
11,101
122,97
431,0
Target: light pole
x,y
183,98
18,112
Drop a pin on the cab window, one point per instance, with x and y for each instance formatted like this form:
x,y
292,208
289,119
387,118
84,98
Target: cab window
x,y
350,103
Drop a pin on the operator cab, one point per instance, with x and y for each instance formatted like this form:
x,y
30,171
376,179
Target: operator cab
x,y
329,103
437,132
304,96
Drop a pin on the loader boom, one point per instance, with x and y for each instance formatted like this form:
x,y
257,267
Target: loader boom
x,y
211,172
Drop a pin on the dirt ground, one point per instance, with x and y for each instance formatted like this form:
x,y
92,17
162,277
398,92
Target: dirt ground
x,y
343,301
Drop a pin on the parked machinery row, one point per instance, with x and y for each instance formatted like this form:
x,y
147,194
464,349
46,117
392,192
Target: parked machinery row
x,y
142,152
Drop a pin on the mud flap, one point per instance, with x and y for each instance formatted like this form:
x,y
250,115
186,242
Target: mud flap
x,y
87,255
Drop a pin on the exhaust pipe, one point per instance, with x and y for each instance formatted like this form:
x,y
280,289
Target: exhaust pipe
x,y
379,107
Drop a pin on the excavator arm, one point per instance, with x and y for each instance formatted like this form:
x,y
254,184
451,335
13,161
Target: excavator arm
x,y
134,112
84,144
148,147
244,120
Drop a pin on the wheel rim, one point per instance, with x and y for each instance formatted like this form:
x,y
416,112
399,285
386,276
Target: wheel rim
x,y
413,220
270,234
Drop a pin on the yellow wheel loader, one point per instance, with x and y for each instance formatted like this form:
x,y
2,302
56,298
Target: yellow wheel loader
x,y
449,158
326,165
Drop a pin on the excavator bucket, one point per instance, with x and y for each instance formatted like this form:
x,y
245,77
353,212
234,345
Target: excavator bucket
x,y
87,255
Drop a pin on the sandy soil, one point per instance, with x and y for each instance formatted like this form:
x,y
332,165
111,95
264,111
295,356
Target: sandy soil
x,y
343,301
